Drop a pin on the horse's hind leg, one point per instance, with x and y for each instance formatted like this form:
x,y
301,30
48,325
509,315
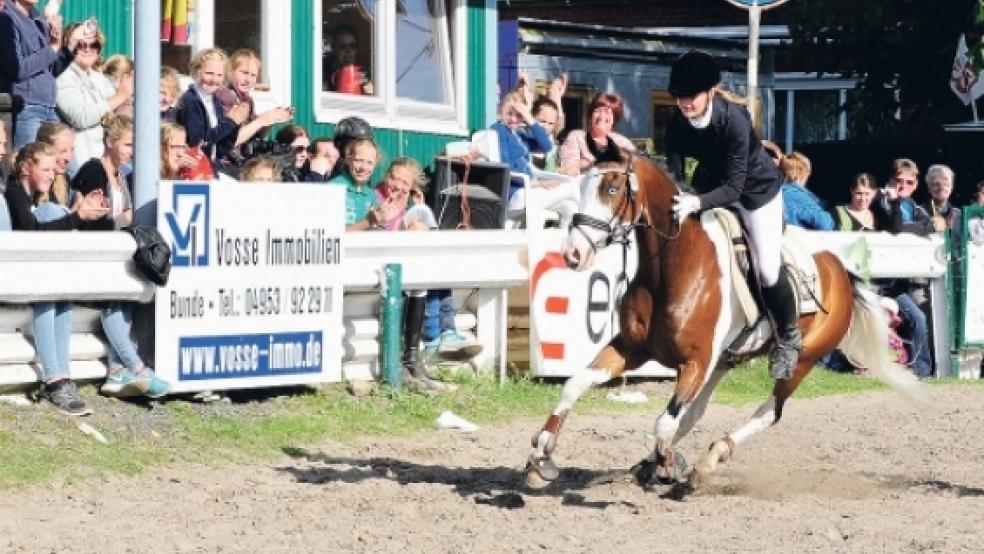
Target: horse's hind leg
x,y
608,364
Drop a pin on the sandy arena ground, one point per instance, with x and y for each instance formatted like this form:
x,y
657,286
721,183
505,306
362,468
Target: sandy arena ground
x,y
870,473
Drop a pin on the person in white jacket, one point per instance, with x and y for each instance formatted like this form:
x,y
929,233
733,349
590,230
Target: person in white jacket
x,y
85,95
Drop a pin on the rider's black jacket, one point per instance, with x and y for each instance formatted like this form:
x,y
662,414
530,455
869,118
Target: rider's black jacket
x,y
732,164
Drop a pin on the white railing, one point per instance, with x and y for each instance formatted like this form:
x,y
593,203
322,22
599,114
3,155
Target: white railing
x,y
86,267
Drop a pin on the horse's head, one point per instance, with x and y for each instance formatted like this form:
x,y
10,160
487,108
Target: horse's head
x,y
609,210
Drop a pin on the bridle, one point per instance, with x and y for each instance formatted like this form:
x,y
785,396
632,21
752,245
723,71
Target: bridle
x,y
615,229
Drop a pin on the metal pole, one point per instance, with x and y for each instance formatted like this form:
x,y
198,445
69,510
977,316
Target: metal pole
x,y
146,146
754,19
391,345
147,115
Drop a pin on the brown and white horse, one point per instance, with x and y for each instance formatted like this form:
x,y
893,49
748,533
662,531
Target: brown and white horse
x,y
680,310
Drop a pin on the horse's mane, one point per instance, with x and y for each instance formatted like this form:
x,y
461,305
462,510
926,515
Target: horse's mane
x,y
660,164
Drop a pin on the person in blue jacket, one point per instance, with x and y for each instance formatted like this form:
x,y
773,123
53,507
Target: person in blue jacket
x,y
801,207
32,53
519,135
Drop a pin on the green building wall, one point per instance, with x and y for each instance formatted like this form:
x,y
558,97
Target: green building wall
x,y
116,20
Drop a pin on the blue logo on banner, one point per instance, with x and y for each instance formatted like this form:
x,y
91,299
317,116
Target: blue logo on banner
x,y
189,224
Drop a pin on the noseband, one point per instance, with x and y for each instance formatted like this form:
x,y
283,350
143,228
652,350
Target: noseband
x,y
615,229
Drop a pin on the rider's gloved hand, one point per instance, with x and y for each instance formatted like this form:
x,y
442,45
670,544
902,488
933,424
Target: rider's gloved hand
x,y
684,205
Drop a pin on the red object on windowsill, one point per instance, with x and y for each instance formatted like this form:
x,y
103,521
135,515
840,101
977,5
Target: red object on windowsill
x,y
348,79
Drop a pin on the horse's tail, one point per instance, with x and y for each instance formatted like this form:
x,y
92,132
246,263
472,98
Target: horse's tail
x,y
866,344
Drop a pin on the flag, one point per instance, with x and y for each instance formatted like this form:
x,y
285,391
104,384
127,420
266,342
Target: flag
x,y
967,73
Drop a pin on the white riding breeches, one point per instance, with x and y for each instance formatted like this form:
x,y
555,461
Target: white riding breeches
x,y
765,227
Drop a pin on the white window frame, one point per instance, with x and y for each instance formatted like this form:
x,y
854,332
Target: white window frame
x,y
799,81
275,23
385,109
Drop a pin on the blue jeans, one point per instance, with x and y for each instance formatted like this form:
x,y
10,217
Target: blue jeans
x,y
117,319
439,313
52,334
29,120
915,320
52,321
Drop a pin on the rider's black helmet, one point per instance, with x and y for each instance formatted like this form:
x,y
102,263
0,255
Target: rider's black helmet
x,y
693,73
348,129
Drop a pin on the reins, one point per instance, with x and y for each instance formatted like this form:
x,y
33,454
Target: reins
x,y
616,231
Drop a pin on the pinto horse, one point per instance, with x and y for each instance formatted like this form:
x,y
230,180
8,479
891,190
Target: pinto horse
x,y
680,310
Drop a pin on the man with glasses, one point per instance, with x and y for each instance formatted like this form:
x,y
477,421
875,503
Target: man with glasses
x,y
908,217
32,54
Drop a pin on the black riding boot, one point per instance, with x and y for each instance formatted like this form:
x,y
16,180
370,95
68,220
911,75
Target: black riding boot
x,y
780,300
413,322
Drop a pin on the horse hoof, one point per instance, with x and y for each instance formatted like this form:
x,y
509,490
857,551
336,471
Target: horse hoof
x,y
643,472
540,472
674,473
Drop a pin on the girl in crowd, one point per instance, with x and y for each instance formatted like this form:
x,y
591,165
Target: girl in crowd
x,y
169,89
858,215
261,169
27,196
128,376
733,169
519,134
174,151
208,125
362,213
243,72
600,143
800,206
60,137
119,69
85,94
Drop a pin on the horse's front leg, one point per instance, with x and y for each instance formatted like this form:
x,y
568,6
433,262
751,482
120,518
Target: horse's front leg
x,y
685,407
608,364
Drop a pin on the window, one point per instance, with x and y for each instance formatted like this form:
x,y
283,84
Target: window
x,y
256,24
396,63
423,56
348,39
237,25
663,106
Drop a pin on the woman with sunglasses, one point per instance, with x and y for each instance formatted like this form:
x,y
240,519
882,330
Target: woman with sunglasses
x,y
85,95
296,139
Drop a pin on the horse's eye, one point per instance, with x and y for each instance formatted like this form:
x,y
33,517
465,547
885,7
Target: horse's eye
x,y
612,190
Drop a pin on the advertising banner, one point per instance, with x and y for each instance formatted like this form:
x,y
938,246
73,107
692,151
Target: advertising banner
x,y
254,297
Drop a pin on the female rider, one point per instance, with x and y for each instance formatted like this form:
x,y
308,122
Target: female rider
x,y
733,170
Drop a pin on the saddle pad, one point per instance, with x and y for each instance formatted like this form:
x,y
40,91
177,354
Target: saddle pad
x,y
802,269
798,260
736,249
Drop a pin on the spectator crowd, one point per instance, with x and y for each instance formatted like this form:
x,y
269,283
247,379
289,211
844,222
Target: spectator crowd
x,y
67,166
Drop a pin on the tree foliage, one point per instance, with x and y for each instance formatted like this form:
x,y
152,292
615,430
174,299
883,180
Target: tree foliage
x,y
902,50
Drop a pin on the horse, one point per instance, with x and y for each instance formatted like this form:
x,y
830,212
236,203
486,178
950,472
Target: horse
x,y
680,310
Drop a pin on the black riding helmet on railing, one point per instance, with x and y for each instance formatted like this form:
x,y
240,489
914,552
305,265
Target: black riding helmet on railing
x,y
693,73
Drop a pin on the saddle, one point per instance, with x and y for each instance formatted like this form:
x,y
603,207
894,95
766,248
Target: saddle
x,y
800,266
